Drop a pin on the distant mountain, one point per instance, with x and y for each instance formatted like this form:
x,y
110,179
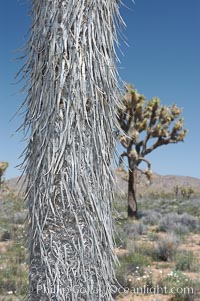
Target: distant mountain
x,y
16,184
159,183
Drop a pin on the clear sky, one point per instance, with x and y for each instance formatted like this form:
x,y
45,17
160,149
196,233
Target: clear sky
x,y
163,59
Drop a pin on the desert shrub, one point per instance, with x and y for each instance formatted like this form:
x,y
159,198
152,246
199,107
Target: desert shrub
x,y
6,235
166,208
166,247
133,262
13,263
6,210
164,195
16,283
184,297
189,221
184,289
181,224
120,237
167,222
140,229
190,206
128,231
185,261
132,230
150,217
19,217
145,248
181,229
152,236
13,279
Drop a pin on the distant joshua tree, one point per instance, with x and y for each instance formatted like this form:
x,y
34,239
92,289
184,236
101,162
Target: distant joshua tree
x,y
72,91
186,192
3,167
145,125
176,191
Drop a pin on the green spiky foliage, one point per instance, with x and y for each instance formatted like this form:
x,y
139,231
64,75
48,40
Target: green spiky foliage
x,y
146,125
72,90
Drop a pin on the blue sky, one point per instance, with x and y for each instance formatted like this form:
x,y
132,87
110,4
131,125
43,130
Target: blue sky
x,y
163,59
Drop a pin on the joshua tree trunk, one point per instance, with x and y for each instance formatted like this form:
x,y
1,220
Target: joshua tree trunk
x,y
72,92
132,202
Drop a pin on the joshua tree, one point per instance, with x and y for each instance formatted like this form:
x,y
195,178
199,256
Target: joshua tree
x,y
72,91
145,125
3,167
186,192
176,191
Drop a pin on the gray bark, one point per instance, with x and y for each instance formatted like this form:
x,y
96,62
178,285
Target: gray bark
x,y
72,90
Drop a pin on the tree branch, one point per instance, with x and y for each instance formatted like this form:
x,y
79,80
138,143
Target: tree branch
x,y
160,141
124,154
146,161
